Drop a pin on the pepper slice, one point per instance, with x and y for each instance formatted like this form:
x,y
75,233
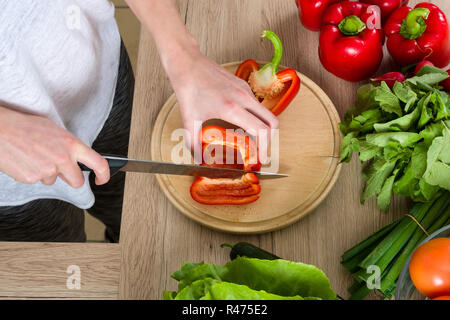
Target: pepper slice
x,y
275,90
226,191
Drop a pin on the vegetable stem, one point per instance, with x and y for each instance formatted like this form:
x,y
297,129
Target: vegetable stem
x,y
414,24
351,26
278,51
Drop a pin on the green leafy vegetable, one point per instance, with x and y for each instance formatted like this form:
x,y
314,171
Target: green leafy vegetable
x,y
402,135
438,162
250,278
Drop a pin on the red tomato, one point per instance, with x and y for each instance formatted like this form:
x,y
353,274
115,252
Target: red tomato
x,y
442,298
430,268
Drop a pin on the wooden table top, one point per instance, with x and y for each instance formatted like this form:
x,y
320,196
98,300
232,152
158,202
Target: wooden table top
x,y
156,239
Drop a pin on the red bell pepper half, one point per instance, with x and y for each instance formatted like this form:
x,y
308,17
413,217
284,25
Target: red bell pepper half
x,y
311,12
227,191
275,90
387,7
418,34
347,47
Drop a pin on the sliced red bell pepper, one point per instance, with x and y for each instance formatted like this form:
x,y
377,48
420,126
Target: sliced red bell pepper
x,y
418,34
387,7
311,12
275,90
227,191
347,47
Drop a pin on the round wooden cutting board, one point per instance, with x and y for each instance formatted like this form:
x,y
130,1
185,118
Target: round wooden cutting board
x,y
309,152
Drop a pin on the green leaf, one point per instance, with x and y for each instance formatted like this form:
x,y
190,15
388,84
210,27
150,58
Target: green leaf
x,y
279,277
405,139
427,113
431,131
387,100
376,180
368,151
419,160
384,197
407,185
399,124
348,146
438,161
428,76
405,94
209,289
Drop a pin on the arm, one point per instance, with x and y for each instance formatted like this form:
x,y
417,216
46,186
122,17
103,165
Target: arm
x,y
204,89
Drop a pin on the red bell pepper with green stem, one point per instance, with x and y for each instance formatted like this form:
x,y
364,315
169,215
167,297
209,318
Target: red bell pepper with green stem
x,y
227,191
347,47
311,12
418,34
387,7
275,90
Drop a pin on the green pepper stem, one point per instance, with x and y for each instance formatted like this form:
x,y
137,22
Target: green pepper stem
x,y
351,25
414,25
278,50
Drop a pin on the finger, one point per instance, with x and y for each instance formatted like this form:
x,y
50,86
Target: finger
x,y
194,142
71,173
63,178
254,126
49,181
94,161
260,111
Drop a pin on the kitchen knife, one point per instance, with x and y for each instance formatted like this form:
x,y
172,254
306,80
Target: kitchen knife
x,y
117,163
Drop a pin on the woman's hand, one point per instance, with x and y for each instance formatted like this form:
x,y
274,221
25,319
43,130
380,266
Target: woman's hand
x,y
204,89
207,91
35,149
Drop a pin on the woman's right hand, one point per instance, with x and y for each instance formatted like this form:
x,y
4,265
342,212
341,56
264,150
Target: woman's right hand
x,y
35,149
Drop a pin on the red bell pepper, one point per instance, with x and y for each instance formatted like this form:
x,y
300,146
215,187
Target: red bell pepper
x,y
275,90
311,12
418,34
387,7
347,47
227,191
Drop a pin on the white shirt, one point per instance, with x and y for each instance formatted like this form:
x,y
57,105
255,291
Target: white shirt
x,y
58,59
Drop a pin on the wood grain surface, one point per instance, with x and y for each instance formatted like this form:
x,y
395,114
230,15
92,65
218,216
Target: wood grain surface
x,y
156,239
41,270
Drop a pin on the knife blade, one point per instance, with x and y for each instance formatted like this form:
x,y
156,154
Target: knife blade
x,y
117,163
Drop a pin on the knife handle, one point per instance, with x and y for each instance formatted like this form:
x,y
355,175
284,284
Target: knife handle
x,y
114,164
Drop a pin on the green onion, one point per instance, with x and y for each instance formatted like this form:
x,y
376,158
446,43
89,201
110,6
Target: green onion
x,y
390,247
